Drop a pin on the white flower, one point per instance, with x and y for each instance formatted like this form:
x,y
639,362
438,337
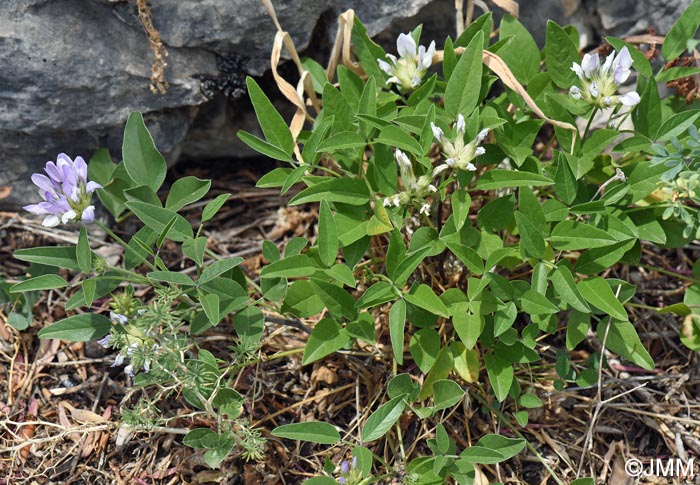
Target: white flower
x,y
439,169
425,209
129,370
408,70
593,89
415,189
458,153
575,91
437,132
599,83
461,125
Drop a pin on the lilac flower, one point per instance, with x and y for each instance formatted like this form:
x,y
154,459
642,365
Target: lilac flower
x,y
129,370
118,318
105,341
66,192
599,83
349,473
459,154
408,70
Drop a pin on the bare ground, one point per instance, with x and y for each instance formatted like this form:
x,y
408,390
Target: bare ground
x,y
60,402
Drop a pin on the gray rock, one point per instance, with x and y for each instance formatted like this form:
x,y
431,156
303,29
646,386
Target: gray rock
x,y
72,70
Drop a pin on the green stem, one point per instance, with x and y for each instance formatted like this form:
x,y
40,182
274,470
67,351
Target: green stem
x,y
124,244
588,125
502,417
642,306
669,273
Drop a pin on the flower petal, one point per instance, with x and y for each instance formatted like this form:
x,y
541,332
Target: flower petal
x,y
62,157
406,46
385,66
609,63
590,64
80,168
67,217
575,92
428,57
461,125
439,169
402,160
629,99
437,132
90,187
88,214
105,341
66,170
51,221
40,208
43,182
578,70
53,172
593,89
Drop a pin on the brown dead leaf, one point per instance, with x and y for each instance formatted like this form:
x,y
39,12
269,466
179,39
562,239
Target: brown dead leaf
x,y
325,375
5,191
499,67
46,353
63,419
27,431
83,415
619,476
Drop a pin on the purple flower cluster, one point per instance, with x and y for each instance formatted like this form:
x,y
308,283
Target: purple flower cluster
x,y
349,473
66,192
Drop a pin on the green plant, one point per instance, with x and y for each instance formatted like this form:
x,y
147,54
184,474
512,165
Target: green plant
x,y
478,248
436,220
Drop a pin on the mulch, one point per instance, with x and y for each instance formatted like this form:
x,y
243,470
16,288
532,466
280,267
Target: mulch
x,y
61,403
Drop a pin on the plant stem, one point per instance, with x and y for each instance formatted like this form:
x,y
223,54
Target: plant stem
x,y
124,244
588,125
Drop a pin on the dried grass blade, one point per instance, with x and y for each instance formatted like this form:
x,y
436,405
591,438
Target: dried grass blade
x,y
509,6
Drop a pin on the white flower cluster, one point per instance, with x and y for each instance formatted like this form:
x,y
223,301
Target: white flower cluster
x,y
599,83
408,70
415,190
458,154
